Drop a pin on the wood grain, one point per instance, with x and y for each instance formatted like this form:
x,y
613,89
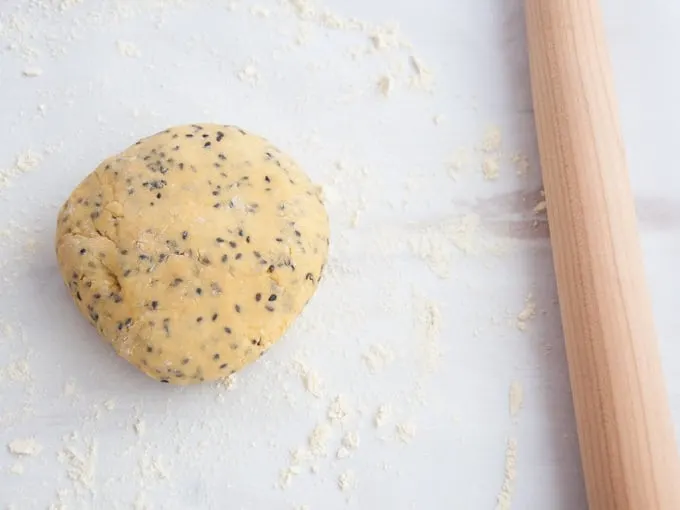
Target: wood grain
x,y
627,443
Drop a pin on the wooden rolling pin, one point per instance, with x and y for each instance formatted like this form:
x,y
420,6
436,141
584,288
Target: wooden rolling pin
x,y
628,449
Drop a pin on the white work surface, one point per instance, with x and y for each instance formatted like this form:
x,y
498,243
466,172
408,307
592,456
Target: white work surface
x,y
427,307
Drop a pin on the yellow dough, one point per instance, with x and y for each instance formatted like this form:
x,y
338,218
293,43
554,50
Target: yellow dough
x,y
192,251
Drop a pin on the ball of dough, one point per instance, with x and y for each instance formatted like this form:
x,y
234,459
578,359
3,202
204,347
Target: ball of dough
x,y
193,250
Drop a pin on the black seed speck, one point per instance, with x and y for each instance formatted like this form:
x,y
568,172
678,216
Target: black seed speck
x,y
185,361
266,178
232,244
149,348
220,135
269,308
224,259
185,234
227,331
127,273
176,282
237,308
214,317
199,319
310,277
83,251
219,240
216,356
199,291
206,145
154,305
166,327
272,298
223,366
298,234
222,156
164,381
238,256
258,297
79,296
279,240
270,269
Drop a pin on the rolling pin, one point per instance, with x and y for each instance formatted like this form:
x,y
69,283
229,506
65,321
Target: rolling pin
x,y
626,438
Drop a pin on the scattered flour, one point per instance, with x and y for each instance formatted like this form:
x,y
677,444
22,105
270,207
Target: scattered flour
x,y
437,243
339,410
128,49
491,142
347,481
79,458
24,162
516,398
249,74
382,415
349,443
385,85
405,432
490,168
504,498
378,357
32,72
422,77
527,313
26,447
318,439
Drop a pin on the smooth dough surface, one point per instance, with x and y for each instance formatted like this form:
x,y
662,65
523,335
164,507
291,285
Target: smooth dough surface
x,y
193,250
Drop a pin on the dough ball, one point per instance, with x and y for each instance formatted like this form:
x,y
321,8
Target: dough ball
x,y
192,251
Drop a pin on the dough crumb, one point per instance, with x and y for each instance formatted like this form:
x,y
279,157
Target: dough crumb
x,y
504,498
26,447
17,469
438,119
516,398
